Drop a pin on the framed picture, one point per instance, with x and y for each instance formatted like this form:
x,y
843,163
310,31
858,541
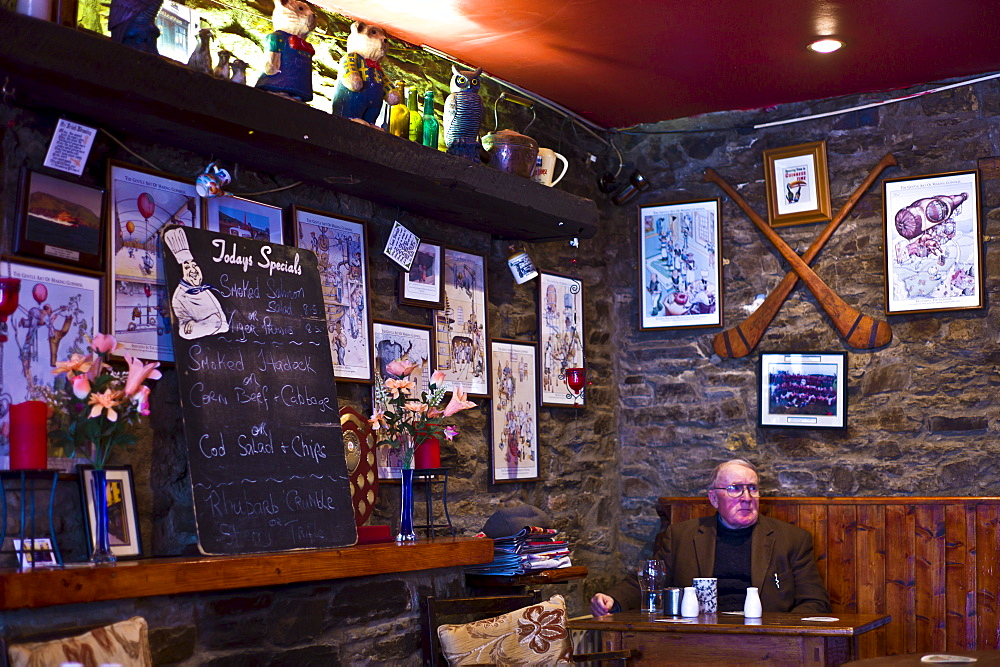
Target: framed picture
x,y
123,529
560,337
803,390
35,553
61,221
798,184
244,218
57,311
342,253
394,340
141,202
933,243
423,284
514,430
460,327
680,272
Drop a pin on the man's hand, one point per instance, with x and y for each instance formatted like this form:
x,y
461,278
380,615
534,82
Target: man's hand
x,y
601,604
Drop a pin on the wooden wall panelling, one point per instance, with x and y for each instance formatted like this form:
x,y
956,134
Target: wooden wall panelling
x,y
930,563
960,577
870,561
929,567
841,574
988,581
900,635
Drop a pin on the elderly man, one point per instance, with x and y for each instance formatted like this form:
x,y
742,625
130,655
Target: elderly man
x,y
738,547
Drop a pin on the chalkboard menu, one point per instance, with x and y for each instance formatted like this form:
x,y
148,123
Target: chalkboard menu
x,y
265,446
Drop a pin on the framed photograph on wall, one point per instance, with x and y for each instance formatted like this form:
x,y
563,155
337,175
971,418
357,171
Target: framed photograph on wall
x,y
933,243
680,269
460,349
514,420
123,528
245,218
423,284
56,313
61,221
803,390
560,337
341,251
411,342
798,184
141,203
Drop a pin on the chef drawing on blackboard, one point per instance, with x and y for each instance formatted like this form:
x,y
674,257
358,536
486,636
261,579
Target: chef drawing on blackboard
x,y
196,309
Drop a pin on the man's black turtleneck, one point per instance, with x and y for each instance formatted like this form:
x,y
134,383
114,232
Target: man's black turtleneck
x,y
732,565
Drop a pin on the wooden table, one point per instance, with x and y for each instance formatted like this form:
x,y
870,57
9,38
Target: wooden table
x,y
725,638
913,659
499,584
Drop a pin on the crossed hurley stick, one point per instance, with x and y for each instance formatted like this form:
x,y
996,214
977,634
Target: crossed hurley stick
x,y
860,331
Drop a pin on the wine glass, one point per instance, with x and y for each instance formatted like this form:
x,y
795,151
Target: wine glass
x,y
10,290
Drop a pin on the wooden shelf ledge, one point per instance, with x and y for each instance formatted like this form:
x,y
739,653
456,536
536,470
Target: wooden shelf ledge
x,y
169,576
50,66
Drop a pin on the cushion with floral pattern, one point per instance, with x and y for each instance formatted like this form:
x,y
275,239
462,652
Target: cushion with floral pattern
x,y
125,643
529,636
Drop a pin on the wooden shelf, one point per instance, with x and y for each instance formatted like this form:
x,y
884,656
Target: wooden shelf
x,y
147,96
169,576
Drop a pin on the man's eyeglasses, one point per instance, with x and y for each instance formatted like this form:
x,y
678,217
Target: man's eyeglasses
x,y
736,490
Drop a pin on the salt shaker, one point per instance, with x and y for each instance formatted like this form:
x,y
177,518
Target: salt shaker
x,y
689,603
752,608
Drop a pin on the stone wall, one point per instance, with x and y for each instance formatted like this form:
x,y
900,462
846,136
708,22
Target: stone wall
x,y
922,417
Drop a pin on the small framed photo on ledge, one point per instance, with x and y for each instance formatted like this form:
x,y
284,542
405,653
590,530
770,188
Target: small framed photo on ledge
x,y
798,184
803,390
35,553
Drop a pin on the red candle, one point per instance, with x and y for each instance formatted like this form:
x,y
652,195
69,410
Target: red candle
x,y
29,436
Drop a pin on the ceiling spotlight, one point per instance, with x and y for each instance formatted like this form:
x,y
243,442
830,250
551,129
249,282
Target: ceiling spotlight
x,y
826,45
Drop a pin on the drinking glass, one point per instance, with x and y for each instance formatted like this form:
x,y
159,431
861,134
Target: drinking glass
x,y
652,575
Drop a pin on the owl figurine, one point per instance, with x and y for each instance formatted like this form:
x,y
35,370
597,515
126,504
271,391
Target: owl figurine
x,y
133,23
288,68
463,114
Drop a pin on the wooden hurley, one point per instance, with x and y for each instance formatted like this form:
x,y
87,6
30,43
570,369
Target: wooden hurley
x,y
859,330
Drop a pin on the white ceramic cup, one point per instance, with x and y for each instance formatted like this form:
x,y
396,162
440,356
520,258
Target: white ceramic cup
x,y
545,165
707,590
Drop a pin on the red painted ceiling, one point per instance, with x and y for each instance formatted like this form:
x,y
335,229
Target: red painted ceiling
x,y
623,62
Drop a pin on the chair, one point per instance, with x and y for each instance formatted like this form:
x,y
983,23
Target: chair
x,y
437,611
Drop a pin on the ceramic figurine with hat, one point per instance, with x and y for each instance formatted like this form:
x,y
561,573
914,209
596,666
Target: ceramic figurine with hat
x,y
362,84
288,68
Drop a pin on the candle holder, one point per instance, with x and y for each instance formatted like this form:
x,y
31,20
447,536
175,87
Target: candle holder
x,y
10,291
576,380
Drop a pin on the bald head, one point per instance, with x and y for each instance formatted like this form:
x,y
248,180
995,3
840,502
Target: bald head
x,y
714,477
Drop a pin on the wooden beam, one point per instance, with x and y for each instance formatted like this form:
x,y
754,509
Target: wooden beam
x,y
169,576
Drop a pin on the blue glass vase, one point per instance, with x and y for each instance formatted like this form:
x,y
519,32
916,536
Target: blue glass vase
x,y
102,545
406,533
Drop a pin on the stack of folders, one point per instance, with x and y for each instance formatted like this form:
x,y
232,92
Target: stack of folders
x,y
529,550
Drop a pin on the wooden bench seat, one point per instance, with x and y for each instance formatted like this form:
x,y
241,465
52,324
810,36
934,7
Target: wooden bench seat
x,y
931,563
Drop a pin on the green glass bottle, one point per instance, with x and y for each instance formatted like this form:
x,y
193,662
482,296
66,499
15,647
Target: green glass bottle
x,y
399,116
431,125
416,120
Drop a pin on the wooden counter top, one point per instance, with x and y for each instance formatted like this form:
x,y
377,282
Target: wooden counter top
x,y
168,576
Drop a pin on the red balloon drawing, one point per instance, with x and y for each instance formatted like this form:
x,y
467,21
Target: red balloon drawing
x,y
40,292
148,291
146,205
